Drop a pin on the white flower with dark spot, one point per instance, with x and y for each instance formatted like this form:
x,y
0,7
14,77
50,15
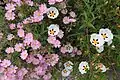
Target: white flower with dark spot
x,y
52,13
107,35
53,29
65,72
68,65
97,40
83,67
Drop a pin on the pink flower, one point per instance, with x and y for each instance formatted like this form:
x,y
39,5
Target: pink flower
x,y
51,59
63,50
10,15
9,50
51,39
12,69
67,20
21,33
57,44
37,17
5,63
60,34
27,20
21,73
28,38
51,2
35,61
24,54
43,8
10,7
34,75
30,59
18,47
72,14
40,70
10,37
59,0
12,26
29,2
19,25
2,69
47,76
35,44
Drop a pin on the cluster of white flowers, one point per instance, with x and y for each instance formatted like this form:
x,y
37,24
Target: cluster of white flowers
x,y
98,40
68,68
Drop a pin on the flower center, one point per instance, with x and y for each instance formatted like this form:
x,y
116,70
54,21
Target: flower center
x,y
68,64
64,71
52,14
85,68
52,32
95,41
104,35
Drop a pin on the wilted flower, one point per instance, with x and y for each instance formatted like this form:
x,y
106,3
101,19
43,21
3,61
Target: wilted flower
x,y
69,48
10,37
72,14
101,67
60,34
83,67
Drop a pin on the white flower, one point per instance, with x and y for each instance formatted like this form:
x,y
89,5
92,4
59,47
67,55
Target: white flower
x,y
65,72
69,48
53,29
83,67
68,65
60,34
101,67
107,35
10,37
52,13
100,49
97,40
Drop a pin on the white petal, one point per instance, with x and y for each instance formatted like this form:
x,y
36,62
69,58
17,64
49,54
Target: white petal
x,y
54,10
109,42
69,48
100,49
65,72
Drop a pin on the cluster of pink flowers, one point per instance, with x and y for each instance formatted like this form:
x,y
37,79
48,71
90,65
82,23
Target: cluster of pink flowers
x,y
70,49
37,16
11,72
69,19
42,65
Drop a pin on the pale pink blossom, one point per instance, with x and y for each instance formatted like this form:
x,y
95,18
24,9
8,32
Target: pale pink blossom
x,y
37,18
30,59
63,50
19,25
12,26
27,20
47,76
60,34
10,15
9,50
18,47
5,63
72,14
52,59
67,20
43,8
51,39
29,2
35,44
21,73
24,54
28,38
10,37
57,44
35,61
18,2
10,7
21,33
12,69
51,2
